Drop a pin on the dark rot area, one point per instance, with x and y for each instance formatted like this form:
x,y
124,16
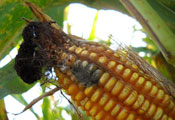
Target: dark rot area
x,y
30,61
40,50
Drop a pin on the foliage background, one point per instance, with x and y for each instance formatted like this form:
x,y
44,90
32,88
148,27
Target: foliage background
x,y
11,27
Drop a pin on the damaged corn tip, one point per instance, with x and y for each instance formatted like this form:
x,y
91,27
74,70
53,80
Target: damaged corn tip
x,y
121,93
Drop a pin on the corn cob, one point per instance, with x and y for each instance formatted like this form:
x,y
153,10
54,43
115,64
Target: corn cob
x,y
107,84
102,82
122,92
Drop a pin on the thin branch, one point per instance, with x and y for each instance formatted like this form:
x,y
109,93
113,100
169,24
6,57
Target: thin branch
x,y
39,98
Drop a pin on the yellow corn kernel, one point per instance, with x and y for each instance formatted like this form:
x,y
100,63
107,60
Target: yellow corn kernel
x,y
147,86
139,101
160,94
88,105
79,96
134,77
109,105
111,64
100,115
123,114
119,68
117,88
84,53
89,91
131,116
131,99
144,107
104,78
102,60
154,90
96,95
124,93
78,50
104,99
151,110
109,85
140,82
93,55
73,88
93,110
126,73
71,49
158,113
115,110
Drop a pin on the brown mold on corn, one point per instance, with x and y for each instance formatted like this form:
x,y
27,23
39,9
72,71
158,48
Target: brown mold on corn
x,y
107,84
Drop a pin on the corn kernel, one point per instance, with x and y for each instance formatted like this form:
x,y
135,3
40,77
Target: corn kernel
x,y
93,110
158,113
104,78
73,88
78,50
84,53
131,99
71,49
111,64
131,116
117,88
110,104
138,102
147,86
144,107
122,115
110,84
151,110
96,95
134,77
102,60
100,115
93,55
115,110
140,82
124,93
126,73
153,91
119,68
89,91
79,96
88,105
104,99
160,94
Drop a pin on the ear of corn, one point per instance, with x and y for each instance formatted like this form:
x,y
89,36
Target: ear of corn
x,y
115,88
123,91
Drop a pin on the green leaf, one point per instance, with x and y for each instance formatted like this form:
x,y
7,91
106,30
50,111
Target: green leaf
x,y
92,33
3,113
10,82
46,109
164,12
154,23
11,23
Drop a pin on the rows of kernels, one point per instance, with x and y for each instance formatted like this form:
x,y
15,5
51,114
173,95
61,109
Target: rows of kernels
x,y
133,78
107,103
141,103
